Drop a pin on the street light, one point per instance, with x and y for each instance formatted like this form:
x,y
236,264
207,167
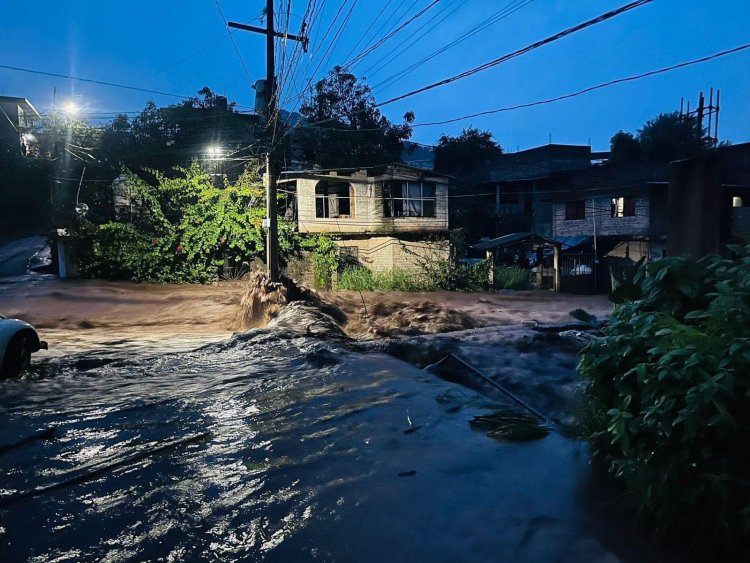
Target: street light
x,y
214,152
71,108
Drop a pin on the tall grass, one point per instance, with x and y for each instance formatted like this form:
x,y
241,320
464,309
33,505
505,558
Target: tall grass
x,y
362,279
511,277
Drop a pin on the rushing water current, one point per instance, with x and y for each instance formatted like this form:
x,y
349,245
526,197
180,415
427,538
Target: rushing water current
x,y
282,449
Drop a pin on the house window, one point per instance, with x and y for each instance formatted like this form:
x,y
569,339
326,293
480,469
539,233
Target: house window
x,y
409,199
736,201
575,210
349,254
623,206
334,200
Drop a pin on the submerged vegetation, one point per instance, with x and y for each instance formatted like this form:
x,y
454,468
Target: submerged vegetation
x,y
668,388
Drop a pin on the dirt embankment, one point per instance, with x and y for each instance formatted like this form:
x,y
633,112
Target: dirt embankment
x,y
89,313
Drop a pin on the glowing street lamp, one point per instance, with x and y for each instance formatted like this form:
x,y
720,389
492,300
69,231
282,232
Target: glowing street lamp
x,y
214,152
71,108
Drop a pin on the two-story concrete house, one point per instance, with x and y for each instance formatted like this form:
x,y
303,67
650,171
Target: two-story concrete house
x,y
384,218
607,218
517,191
17,118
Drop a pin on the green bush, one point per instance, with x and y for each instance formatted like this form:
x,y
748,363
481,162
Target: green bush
x,y
182,229
511,277
668,387
325,258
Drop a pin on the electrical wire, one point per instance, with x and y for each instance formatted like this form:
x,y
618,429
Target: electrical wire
x,y
92,81
429,28
536,45
369,28
508,10
591,88
385,38
234,43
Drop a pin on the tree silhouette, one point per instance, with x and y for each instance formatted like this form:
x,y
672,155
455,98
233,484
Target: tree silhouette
x,y
625,147
670,136
468,155
346,129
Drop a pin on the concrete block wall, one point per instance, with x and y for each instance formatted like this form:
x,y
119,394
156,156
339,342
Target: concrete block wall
x,y
385,253
637,225
368,210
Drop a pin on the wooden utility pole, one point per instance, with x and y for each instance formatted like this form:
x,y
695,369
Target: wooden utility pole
x,y
271,223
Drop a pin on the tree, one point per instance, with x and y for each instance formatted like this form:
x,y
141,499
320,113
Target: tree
x,y
183,228
467,155
670,136
347,127
164,137
625,147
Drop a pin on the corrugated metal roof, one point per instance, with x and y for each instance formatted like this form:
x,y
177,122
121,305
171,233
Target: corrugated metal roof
x,y
574,241
507,240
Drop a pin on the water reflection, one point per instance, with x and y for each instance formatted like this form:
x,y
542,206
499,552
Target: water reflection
x,y
359,458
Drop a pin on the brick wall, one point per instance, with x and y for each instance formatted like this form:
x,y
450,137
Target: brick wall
x,y
605,223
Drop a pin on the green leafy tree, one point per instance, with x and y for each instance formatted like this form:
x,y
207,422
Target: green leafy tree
x,y
350,129
183,229
468,155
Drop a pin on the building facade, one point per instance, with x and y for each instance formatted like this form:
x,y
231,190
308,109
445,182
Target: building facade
x,y
384,218
17,119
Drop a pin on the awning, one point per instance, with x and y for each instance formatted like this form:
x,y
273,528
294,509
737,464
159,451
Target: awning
x,y
575,241
515,238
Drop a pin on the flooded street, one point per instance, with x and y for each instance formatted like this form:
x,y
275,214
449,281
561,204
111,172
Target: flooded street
x,y
271,446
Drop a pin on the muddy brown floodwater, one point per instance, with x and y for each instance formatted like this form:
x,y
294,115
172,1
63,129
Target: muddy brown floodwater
x,y
92,315
150,433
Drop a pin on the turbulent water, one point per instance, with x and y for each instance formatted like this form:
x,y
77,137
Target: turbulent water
x,y
281,448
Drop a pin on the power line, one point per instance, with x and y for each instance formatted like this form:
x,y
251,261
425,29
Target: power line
x,y
369,28
427,28
92,81
234,43
604,17
385,38
591,88
508,10
394,16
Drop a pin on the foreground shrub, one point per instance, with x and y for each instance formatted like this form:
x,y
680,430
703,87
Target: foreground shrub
x,y
668,389
511,277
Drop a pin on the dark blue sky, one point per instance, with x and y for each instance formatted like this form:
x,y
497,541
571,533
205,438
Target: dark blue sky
x,y
181,46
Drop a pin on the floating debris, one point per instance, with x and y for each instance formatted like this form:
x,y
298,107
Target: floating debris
x,y
510,425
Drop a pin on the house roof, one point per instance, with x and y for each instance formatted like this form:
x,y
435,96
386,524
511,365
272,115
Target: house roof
x,y
539,162
574,241
515,238
364,172
23,102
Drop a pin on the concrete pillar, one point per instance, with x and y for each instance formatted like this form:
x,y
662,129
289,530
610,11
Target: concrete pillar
x,y
695,208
